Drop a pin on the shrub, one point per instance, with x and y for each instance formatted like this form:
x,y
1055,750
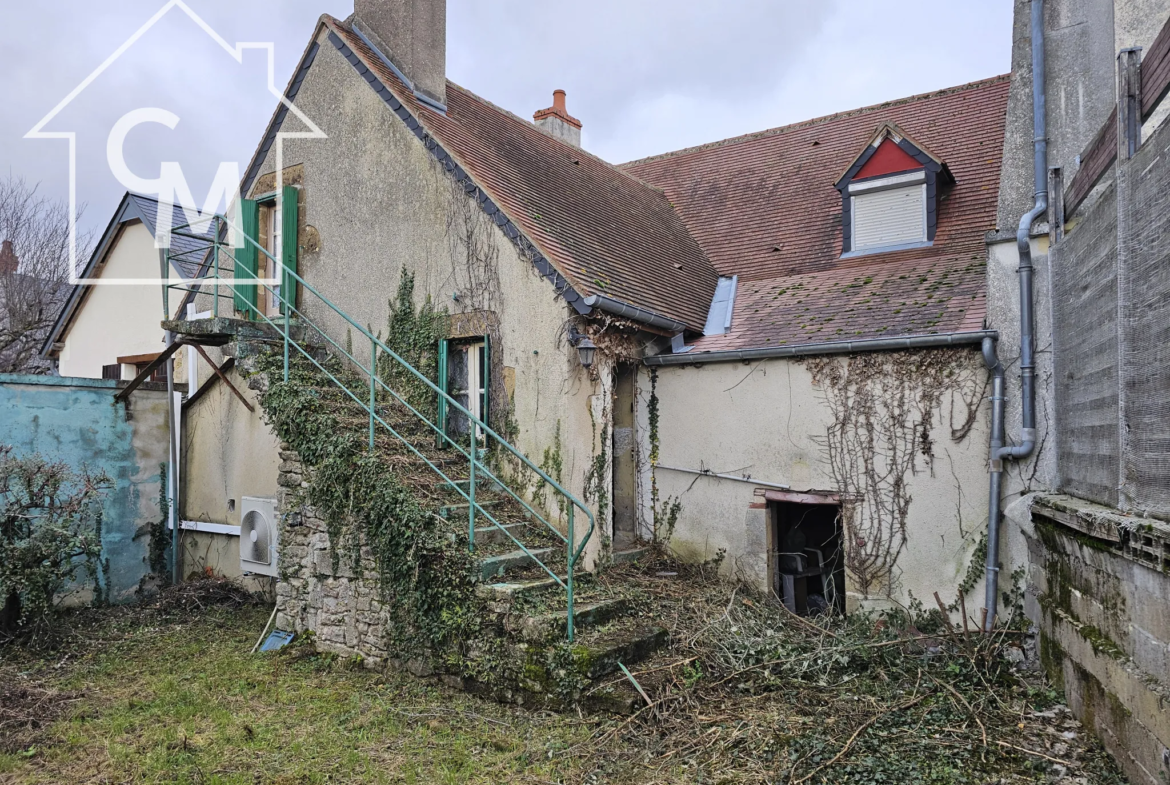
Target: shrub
x,y
50,533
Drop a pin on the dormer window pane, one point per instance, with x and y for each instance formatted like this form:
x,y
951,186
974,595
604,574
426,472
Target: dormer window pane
x,y
893,216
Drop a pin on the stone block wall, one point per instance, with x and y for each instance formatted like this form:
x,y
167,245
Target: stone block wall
x,y
342,607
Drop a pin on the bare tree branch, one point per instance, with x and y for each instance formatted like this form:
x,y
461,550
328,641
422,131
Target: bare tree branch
x,y
34,231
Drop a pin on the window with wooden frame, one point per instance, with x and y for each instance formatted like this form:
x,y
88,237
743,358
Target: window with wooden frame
x,y
272,222
464,374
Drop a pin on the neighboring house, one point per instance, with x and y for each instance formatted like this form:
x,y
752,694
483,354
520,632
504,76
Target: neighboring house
x,y
1087,510
787,324
111,331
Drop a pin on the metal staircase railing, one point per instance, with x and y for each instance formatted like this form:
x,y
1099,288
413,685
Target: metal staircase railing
x,y
211,250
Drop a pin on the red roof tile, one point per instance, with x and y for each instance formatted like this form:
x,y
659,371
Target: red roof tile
x,y
763,207
605,231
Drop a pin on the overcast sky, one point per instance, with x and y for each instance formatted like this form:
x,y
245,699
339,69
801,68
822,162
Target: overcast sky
x,y
644,76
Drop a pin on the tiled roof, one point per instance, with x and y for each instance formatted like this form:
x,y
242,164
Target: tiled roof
x,y
603,230
763,207
878,300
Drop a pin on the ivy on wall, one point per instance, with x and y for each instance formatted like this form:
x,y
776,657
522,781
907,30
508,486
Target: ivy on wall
x,y
413,334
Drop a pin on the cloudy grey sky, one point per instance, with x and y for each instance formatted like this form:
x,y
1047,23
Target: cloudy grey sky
x,y
644,76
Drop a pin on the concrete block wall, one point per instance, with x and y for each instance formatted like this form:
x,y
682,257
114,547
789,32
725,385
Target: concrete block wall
x,y
1105,638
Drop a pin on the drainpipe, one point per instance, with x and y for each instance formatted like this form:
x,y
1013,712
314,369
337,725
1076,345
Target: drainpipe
x,y
1027,319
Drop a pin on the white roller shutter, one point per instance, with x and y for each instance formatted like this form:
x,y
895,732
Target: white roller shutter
x,y
891,217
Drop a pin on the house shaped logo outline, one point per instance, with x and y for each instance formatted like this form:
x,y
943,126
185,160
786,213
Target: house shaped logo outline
x,y
237,54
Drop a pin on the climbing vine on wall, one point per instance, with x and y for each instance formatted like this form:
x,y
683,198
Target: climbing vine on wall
x,y
883,407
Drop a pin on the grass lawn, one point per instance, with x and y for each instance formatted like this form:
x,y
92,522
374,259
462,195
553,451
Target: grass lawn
x,y
170,693
185,702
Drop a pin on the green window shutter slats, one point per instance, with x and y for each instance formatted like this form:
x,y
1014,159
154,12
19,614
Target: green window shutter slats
x,y
289,224
247,258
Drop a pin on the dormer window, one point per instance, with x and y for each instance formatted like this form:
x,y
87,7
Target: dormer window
x,y
889,196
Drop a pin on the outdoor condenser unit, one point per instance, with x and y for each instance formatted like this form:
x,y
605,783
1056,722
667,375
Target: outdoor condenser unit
x,y
259,535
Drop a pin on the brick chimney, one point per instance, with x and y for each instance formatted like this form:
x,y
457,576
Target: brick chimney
x,y
413,34
8,260
557,122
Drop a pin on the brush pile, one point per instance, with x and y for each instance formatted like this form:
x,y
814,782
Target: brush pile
x,y
750,693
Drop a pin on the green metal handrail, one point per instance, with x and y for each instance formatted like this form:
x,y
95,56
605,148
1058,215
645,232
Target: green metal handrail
x,y
210,258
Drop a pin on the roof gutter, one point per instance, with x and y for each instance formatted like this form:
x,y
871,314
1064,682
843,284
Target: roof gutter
x,y
830,347
627,311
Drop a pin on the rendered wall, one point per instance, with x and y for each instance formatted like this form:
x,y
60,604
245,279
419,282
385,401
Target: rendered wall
x,y
376,201
771,421
118,320
76,421
227,453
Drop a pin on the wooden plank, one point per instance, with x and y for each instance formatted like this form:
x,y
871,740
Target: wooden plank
x,y
224,378
1095,162
802,498
1156,72
135,359
228,364
145,373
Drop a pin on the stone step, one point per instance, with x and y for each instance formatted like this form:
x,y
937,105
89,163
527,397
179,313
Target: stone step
x,y
626,645
549,625
495,566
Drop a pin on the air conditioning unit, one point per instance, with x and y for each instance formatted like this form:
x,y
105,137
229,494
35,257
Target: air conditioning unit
x,y
259,535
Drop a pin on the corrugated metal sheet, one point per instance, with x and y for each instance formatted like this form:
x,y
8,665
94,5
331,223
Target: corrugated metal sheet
x,y
891,217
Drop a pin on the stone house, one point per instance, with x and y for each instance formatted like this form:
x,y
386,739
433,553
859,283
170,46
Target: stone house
x,y
764,350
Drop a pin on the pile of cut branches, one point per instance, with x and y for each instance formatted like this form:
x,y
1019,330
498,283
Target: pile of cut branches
x,y
749,692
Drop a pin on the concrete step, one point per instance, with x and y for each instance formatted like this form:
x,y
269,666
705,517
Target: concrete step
x,y
496,566
450,510
492,535
548,625
630,555
502,594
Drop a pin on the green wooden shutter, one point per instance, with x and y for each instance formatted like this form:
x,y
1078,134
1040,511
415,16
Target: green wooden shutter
x,y
246,257
441,418
289,224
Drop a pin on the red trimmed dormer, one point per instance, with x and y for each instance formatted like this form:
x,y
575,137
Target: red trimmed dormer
x,y
889,195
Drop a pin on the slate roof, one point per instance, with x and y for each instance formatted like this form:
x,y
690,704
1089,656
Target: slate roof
x,y
764,207
603,230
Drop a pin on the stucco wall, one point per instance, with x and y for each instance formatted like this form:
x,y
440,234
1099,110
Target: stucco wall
x,y
118,320
770,420
378,201
227,453
77,421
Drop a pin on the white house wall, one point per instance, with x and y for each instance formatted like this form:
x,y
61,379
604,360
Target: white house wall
x,y
118,321
769,420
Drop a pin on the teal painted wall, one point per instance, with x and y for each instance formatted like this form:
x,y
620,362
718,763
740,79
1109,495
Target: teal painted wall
x,y
77,421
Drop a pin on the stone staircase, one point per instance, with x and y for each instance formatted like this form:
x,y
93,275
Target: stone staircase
x,y
525,610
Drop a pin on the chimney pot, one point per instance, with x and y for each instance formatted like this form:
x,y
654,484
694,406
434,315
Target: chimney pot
x,y
557,122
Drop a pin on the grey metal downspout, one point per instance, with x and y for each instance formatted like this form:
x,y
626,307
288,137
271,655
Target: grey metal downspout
x,y
1027,319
